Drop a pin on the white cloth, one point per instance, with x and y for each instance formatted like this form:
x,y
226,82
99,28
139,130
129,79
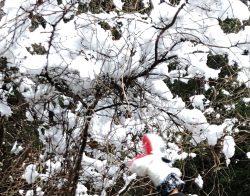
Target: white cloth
x,y
154,167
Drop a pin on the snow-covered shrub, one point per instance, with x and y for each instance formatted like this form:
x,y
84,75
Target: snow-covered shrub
x,y
82,81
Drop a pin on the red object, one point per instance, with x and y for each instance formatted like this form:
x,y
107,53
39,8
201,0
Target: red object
x,y
147,145
140,156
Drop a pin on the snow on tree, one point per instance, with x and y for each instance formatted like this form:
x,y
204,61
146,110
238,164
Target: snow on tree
x,y
87,79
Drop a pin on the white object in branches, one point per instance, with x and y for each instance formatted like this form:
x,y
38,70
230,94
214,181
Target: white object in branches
x,y
199,181
16,148
228,148
30,174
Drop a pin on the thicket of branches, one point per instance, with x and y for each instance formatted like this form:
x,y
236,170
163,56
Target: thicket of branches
x,y
52,111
